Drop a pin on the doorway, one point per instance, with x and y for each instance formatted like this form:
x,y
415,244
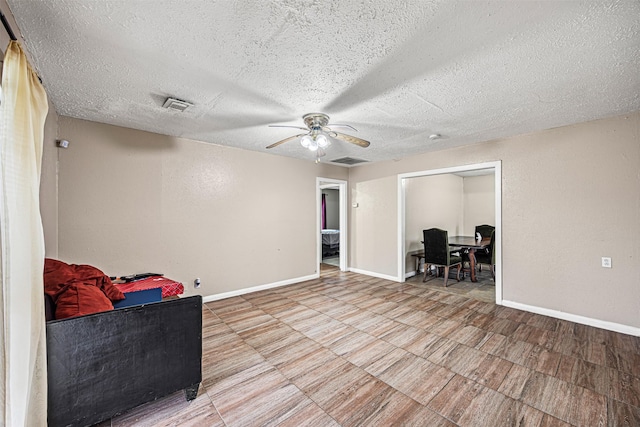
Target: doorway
x,y
332,227
404,251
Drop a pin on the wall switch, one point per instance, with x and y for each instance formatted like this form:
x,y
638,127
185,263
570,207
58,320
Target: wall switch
x,y
196,283
606,262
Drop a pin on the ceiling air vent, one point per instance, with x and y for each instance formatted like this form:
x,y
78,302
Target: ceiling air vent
x,y
176,104
348,161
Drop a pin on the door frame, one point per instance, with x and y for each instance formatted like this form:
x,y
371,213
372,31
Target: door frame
x,y
342,197
497,168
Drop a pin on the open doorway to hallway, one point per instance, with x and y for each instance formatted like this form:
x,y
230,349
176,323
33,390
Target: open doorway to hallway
x,y
330,228
455,199
332,224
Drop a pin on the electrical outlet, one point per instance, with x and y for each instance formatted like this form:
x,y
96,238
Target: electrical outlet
x,y
196,283
606,262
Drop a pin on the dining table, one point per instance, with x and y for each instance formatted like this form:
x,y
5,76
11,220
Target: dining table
x,y
469,245
464,244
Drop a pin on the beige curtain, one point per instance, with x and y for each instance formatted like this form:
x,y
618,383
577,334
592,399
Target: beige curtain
x,y
23,377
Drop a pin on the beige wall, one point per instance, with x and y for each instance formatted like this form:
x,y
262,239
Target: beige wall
x,y
479,202
431,201
49,184
134,202
373,226
570,196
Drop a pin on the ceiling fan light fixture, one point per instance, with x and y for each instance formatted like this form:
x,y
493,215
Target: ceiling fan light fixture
x,y
322,141
306,141
317,139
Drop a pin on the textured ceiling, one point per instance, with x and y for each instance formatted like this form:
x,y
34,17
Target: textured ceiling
x,y
397,71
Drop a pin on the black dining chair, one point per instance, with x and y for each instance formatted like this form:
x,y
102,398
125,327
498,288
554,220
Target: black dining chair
x,y
438,254
488,256
485,232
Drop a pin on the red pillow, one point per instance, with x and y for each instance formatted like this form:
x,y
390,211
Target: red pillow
x,y
57,274
79,299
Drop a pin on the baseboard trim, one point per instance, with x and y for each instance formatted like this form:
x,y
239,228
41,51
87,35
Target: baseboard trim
x,y
602,324
371,273
409,274
239,292
413,273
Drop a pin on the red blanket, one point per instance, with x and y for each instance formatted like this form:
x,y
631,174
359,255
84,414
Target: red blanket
x,y
58,275
77,290
169,287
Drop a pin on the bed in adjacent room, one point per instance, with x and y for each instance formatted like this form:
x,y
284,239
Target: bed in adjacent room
x,y
330,242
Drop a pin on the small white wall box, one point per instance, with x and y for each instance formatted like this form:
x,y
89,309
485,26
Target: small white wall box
x,y
62,143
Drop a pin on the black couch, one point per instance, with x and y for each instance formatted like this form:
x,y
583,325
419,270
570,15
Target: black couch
x,y
103,364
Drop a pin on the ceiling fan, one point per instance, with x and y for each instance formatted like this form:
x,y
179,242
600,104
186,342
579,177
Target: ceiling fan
x,y
318,134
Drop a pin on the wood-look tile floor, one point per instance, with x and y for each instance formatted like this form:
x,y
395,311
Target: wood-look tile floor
x,y
484,289
352,350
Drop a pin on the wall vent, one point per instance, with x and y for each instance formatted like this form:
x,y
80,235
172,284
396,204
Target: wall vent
x,y
176,104
348,161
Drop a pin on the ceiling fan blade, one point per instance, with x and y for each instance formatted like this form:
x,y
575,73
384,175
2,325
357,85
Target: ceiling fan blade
x,y
352,139
275,144
286,126
343,125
